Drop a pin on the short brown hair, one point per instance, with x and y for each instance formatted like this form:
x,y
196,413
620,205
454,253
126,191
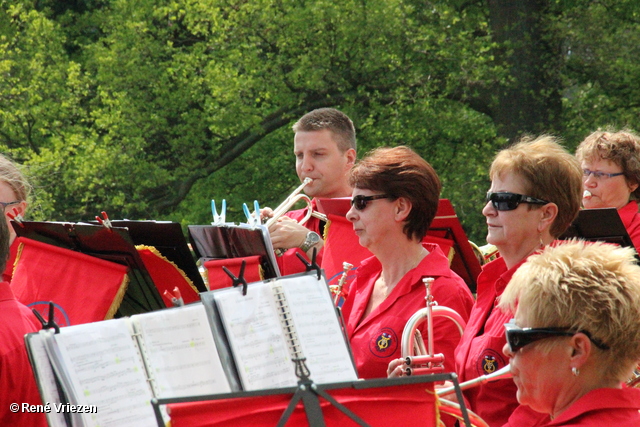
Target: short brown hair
x,y
333,120
587,286
621,148
400,172
550,173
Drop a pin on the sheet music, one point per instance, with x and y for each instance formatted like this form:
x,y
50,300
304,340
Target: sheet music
x,y
180,352
255,335
318,329
45,376
101,364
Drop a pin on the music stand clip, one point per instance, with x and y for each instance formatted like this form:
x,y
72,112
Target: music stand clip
x,y
238,280
313,265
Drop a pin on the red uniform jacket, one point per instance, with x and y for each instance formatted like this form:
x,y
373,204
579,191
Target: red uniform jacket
x,y
631,220
480,353
603,407
17,382
375,340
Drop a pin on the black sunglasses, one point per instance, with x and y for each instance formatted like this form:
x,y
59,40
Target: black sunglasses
x,y
504,201
519,337
360,202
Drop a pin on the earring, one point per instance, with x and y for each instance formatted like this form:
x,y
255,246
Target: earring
x,y
541,242
575,371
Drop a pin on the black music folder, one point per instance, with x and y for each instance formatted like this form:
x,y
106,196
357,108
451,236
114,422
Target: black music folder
x,y
109,243
167,237
599,225
234,241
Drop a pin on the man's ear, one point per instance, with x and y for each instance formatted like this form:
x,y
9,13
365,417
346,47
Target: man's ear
x,y
351,156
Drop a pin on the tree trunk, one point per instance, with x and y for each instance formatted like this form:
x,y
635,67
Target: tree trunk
x,y
529,100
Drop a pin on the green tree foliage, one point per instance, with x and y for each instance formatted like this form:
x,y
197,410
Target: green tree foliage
x,y
150,108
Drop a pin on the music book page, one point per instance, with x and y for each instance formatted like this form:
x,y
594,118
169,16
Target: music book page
x,y
281,319
253,328
319,331
99,365
180,353
44,376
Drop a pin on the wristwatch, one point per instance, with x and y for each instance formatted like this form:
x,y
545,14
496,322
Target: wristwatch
x,y
312,239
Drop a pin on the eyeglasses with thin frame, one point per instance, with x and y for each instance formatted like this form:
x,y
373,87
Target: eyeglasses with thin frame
x,y
5,204
599,175
505,201
518,337
360,202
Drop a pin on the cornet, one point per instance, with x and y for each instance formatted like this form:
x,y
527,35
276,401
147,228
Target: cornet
x,y
288,203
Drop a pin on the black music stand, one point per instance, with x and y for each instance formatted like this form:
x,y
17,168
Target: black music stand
x,y
234,241
599,225
167,237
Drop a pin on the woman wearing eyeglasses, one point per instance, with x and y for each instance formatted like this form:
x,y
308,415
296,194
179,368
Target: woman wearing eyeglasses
x,y
536,188
611,166
575,337
395,198
14,191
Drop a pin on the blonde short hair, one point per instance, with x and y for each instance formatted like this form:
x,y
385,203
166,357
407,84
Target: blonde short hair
x,y
550,173
584,286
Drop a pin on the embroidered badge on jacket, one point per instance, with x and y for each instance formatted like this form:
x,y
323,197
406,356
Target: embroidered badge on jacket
x,y
383,343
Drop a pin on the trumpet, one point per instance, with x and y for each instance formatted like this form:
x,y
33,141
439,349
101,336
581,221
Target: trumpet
x,y
291,200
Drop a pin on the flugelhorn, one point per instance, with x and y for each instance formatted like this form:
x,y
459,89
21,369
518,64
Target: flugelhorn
x,y
419,360
288,203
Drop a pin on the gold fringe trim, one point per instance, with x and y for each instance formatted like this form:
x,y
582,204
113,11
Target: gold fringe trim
x,y
451,255
325,233
115,305
18,255
437,402
159,255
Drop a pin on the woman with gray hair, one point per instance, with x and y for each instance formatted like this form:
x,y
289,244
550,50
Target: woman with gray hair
x,y
611,167
575,337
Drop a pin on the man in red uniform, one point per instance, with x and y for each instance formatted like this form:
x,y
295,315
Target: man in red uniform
x,y
16,378
325,148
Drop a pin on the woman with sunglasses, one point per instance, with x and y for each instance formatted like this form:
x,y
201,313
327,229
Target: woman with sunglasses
x,y
536,188
611,167
14,191
575,337
395,198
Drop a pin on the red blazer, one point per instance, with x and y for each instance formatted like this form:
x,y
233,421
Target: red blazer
x,y
375,340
